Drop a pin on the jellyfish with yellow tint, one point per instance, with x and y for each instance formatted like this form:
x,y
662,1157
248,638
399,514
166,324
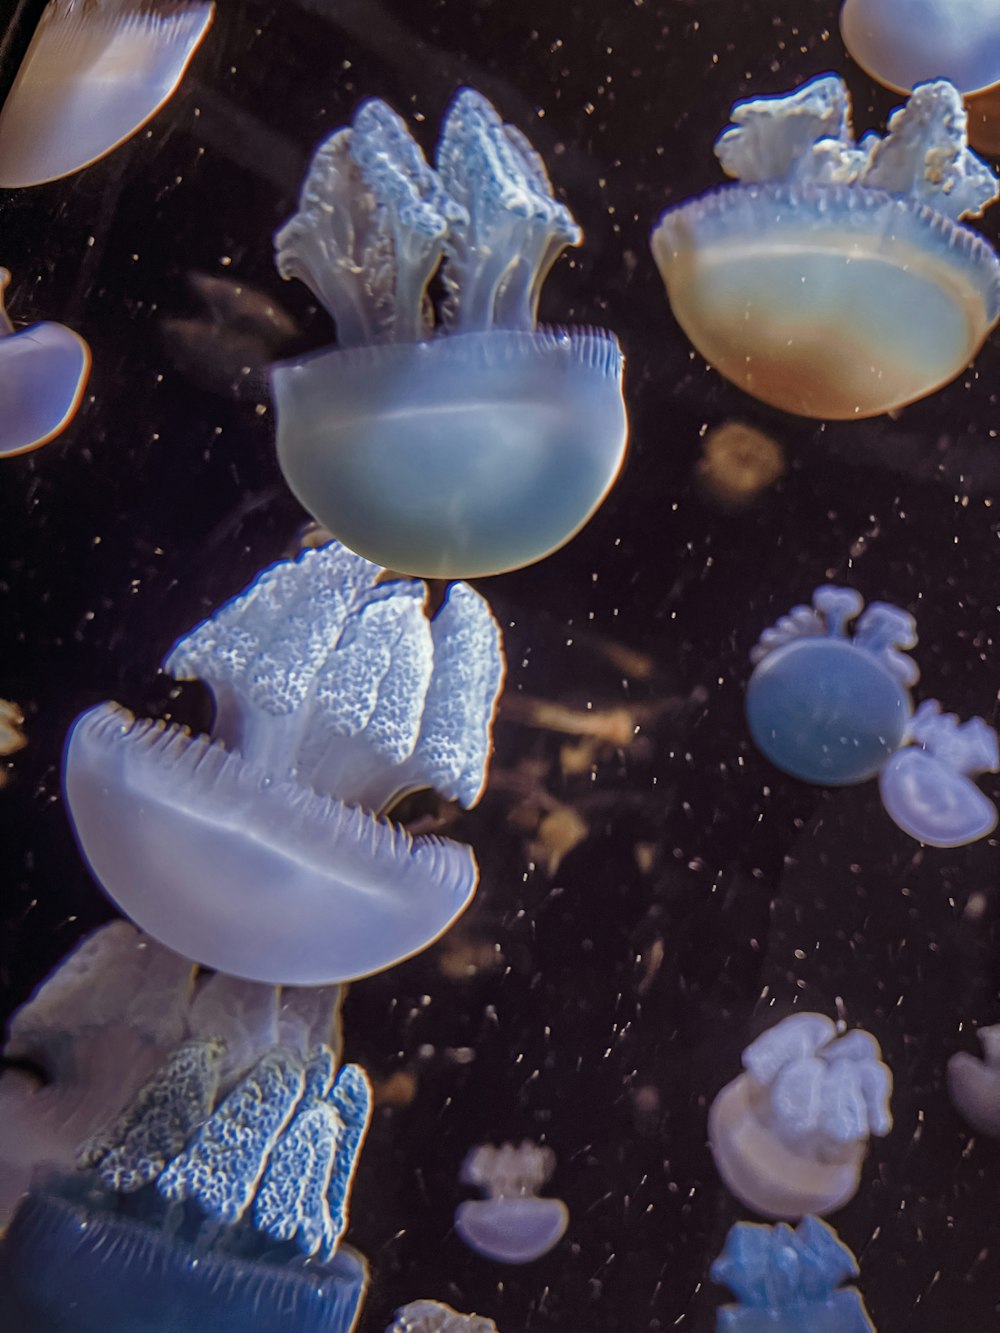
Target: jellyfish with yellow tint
x,y
835,279
43,373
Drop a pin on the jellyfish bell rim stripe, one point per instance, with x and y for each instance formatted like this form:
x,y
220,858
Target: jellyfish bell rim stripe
x,y
271,825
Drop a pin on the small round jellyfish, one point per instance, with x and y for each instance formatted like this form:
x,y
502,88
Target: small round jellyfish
x,y
835,280
974,1085
264,850
789,1281
512,1225
43,373
434,1317
790,1134
905,42
93,75
467,448
834,708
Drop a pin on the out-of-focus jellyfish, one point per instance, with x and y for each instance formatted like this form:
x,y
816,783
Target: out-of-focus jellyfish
x,y
461,446
208,1205
433,1317
905,42
12,737
106,1019
789,1281
834,708
789,1135
43,373
94,73
512,1225
738,462
835,280
974,1085
263,850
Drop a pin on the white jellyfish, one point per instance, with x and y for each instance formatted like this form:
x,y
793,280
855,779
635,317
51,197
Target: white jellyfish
x,y
512,1225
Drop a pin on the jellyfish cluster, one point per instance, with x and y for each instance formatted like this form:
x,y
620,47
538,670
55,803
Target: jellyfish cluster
x,y
180,1133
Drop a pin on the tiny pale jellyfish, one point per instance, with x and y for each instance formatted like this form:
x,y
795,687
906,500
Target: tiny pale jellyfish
x,y
835,279
789,1281
834,707
974,1085
264,849
210,1191
43,373
94,74
457,442
905,42
512,1225
790,1134
434,1317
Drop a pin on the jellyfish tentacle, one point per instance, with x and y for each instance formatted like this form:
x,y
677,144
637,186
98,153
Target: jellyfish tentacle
x,y
883,629
351,1100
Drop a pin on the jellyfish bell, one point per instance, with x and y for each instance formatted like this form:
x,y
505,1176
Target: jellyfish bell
x,y
263,850
901,43
467,448
512,1225
93,75
43,373
835,280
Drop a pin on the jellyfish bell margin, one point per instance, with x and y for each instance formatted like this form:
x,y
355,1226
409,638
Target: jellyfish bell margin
x,y
261,850
836,280
457,443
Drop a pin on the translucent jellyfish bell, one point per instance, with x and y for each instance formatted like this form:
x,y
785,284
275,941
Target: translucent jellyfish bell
x,y
789,1281
974,1085
512,1225
790,1134
213,1202
905,42
263,850
834,707
43,373
472,446
835,280
94,74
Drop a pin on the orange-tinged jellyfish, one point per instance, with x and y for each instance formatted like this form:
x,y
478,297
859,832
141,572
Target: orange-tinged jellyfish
x,y
835,279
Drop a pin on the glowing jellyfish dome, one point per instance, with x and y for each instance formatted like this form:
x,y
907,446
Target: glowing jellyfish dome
x,y
905,42
467,446
836,280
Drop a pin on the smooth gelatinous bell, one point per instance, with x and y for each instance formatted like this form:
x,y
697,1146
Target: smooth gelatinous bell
x,y
477,452
836,281
905,42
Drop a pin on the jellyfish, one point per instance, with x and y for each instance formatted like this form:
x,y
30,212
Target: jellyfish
x,y
93,75
462,442
905,42
43,373
263,850
434,1317
512,1225
974,1085
789,1280
790,1134
835,280
835,708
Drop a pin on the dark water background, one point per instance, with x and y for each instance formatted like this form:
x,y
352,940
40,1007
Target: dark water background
x,y
603,1005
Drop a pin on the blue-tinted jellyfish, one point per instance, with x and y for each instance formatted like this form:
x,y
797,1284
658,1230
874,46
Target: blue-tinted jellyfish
x,y
974,1085
834,708
789,1281
263,850
210,1190
905,42
512,1225
835,279
790,1134
464,447
43,373
93,75
433,1317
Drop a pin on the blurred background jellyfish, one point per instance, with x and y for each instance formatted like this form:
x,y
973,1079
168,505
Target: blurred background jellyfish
x,y
835,279
974,1085
43,373
512,1225
470,444
220,1139
94,74
833,707
433,1317
263,850
790,1134
789,1281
